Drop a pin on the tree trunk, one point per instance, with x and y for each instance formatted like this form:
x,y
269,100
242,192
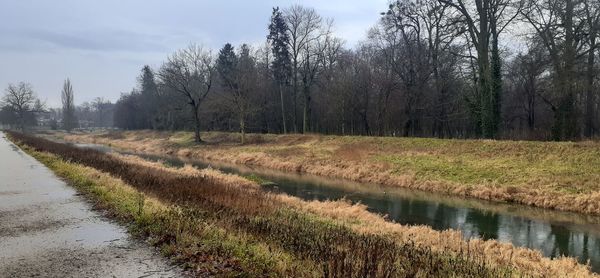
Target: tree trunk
x,y
531,109
496,86
243,129
305,116
282,109
590,97
565,125
197,138
295,95
21,119
306,113
487,102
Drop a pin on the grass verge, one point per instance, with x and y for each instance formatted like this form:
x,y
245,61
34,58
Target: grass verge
x,y
197,216
182,233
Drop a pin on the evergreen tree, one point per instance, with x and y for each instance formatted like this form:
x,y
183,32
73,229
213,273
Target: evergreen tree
x,y
281,65
148,97
147,81
226,66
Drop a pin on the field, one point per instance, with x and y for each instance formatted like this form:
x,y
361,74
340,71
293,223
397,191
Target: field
x,y
556,175
225,225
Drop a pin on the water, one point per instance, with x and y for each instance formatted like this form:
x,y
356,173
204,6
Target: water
x,y
554,233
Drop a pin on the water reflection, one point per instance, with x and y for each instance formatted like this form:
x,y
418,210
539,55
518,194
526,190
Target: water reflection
x,y
553,233
553,239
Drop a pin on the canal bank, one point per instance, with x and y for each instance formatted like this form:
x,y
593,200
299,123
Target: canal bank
x,y
554,233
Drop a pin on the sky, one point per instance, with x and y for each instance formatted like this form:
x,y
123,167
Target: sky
x,y
102,45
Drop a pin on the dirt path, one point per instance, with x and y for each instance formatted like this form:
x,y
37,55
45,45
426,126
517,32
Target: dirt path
x,y
47,230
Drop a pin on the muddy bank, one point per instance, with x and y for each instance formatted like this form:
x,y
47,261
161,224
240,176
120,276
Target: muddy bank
x,y
47,230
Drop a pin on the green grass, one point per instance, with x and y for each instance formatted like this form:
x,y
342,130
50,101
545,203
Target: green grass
x,y
571,170
237,231
555,175
180,233
426,167
256,179
572,167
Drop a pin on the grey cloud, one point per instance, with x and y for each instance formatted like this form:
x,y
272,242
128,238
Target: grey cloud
x,y
92,40
102,45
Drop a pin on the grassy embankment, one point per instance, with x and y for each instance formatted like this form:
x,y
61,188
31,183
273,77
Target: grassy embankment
x,y
224,224
555,175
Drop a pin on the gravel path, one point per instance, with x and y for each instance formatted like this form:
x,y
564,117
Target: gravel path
x,y
47,230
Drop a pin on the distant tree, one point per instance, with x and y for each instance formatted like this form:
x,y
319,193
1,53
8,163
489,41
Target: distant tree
x,y
238,75
68,106
484,21
149,96
524,75
189,73
433,68
304,29
102,109
309,33
53,124
127,111
558,24
21,100
227,66
8,116
281,65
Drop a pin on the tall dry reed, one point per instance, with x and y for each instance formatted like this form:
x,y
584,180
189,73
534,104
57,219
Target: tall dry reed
x,y
374,248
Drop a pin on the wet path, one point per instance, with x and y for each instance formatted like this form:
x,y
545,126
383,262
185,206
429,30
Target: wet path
x,y
47,230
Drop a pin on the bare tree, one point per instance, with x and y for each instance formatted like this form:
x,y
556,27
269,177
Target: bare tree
x,y
21,99
440,35
102,107
68,106
238,75
189,72
558,24
427,68
524,75
403,20
484,21
306,28
384,44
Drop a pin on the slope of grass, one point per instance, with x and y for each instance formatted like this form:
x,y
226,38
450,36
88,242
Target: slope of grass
x,y
557,175
211,215
201,218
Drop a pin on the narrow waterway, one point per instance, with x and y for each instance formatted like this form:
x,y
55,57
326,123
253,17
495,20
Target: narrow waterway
x,y
553,233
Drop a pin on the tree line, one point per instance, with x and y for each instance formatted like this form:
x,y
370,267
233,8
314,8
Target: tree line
x,y
20,108
432,68
436,68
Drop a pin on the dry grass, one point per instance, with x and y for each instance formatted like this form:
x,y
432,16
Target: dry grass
x,y
562,176
269,216
198,243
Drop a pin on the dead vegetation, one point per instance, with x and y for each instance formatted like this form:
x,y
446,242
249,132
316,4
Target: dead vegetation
x,y
339,237
562,176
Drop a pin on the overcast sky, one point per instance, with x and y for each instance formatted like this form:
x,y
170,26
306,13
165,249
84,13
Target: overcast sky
x,y
102,45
